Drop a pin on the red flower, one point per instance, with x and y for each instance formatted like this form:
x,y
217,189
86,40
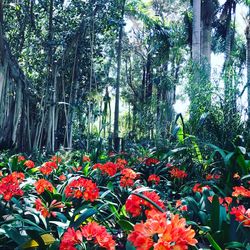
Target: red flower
x,y
236,176
177,173
47,210
135,205
57,159
241,191
108,168
128,177
169,165
20,158
121,163
29,164
48,167
9,185
212,176
62,177
200,188
98,233
154,178
180,207
70,239
41,185
82,188
85,158
241,215
160,233
151,161
42,208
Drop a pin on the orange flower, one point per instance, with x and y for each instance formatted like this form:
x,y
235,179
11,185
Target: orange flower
x,y
154,179
151,161
82,188
41,185
177,173
20,158
98,233
200,188
108,168
212,176
48,167
128,177
236,176
241,191
57,159
29,164
135,205
224,202
121,163
70,239
85,158
241,215
62,177
47,210
181,207
9,185
160,233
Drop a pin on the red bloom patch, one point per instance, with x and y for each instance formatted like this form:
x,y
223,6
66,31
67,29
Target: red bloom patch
x,y
82,188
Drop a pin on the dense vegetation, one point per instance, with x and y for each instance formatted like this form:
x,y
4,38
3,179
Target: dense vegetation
x,y
94,152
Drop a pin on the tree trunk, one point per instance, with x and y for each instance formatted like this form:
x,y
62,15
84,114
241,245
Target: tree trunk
x,y
117,92
196,33
248,72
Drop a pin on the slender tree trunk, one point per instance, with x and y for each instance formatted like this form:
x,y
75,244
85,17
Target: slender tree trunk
x,y
117,92
196,33
248,72
206,46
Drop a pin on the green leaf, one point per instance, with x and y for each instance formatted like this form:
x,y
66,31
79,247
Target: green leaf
x,y
84,216
114,211
234,245
129,246
215,214
126,225
14,234
213,242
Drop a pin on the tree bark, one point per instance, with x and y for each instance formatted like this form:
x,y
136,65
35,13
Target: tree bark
x,y
248,72
196,33
117,92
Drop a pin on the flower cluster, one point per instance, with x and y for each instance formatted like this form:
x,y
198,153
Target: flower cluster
x,y
41,185
48,167
223,201
159,233
241,191
135,205
128,177
45,209
85,158
108,168
177,173
213,177
241,215
82,188
98,233
121,162
57,159
20,158
9,185
200,188
154,179
151,161
29,164
91,231
179,205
